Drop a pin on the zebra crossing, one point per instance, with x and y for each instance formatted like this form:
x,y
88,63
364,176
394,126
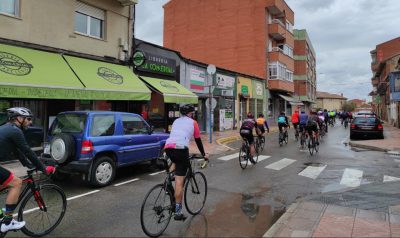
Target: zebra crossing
x,y
350,177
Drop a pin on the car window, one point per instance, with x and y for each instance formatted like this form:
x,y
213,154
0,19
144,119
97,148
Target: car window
x,y
365,120
68,123
102,125
134,125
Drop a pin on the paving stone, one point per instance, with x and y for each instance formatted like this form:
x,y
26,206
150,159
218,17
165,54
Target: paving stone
x,y
394,219
338,210
332,225
299,233
371,215
312,206
370,228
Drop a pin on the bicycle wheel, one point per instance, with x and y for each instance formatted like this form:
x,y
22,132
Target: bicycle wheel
x,y
43,210
280,139
262,143
311,145
156,211
286,137
243,157
316,147
195,193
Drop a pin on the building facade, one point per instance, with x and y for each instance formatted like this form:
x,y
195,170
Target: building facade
x,y
330,101
385,60
305,79
251,37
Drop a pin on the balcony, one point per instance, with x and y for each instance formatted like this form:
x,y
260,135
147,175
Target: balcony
x,y
128,2
276,7
281,85
277,55
277,30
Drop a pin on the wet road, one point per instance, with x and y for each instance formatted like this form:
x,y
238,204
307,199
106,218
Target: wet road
x,y
241,203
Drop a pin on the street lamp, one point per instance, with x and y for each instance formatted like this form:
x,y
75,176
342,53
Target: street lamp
x,y
211,69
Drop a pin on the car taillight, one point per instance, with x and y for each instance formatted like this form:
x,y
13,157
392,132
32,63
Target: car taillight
x,y
87,147
380,127
353,126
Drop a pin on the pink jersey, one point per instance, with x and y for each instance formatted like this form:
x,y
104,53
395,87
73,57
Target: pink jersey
x,y
182,131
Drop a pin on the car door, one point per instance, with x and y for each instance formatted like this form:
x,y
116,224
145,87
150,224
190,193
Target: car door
x,y
140,145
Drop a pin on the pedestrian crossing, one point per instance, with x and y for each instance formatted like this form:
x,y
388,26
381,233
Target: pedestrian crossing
x,y
350,177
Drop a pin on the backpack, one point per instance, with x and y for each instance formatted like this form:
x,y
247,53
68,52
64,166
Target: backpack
x,y
311,122
281,119
247,125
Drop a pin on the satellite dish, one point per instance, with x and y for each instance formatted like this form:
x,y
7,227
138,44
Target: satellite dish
x,y
211,69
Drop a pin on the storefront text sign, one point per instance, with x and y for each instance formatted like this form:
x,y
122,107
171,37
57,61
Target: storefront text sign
x,y
197,79
110,75
158,64
245,89
225,82
12,64
259,89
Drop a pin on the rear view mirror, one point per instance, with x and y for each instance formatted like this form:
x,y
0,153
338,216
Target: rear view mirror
x,y
150,129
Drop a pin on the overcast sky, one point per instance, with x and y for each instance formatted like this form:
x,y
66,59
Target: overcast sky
x,y
342,32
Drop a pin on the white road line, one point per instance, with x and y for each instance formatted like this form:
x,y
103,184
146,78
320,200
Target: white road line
x,y
85,194
229,157
129,181
387,178
159,172
280,164
263,157
312,171
351,177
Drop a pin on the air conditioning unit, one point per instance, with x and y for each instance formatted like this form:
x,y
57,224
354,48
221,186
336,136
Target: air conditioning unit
x,y
128,2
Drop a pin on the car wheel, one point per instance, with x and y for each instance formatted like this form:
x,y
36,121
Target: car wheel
x,y
62,147
103,172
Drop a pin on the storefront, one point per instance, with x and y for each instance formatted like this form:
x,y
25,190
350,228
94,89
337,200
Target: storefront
x,y
257,103
224,92
161,74
49,83
244,94
289,104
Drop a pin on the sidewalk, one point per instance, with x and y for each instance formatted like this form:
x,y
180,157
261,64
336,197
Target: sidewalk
x,y
313,219
390,143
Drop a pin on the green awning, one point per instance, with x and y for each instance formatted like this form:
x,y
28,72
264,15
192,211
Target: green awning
x,y
172,91
28,73
106,81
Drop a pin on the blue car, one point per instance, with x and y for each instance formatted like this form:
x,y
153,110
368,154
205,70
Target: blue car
x,y
96,143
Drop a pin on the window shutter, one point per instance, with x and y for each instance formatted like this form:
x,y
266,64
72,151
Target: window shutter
x,y
89,10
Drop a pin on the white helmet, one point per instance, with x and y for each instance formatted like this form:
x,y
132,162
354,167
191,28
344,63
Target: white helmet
x,y
19,111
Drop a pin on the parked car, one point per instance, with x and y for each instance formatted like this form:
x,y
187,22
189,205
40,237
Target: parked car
x,y
364,113
96,143
366,127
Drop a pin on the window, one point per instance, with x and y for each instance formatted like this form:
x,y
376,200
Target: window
x,y
279,71
397,83
9,7
89,20
68,123
289,27
103,125
134,125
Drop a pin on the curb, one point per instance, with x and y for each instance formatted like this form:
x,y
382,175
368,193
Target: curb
x,y
225,140
281,222
369,147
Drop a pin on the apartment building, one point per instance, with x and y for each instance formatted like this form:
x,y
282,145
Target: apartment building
x,y
330,101
305,80
68,55
385,68
254,37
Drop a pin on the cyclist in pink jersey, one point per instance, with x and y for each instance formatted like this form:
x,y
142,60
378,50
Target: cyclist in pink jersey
x,y
177,149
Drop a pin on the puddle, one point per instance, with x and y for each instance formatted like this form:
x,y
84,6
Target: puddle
x,y
238,215
315,164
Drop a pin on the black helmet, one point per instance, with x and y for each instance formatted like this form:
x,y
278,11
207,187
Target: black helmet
x,y
249,115
185,109
19,111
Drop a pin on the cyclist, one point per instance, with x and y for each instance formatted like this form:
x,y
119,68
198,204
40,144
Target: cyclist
x,y
177,149
246,131
283,121
326,117
12,140
312,126
303,118
295,120
262,124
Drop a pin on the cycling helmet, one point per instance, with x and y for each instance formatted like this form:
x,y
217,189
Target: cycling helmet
x,y
19,111
249,115
260,115
185,109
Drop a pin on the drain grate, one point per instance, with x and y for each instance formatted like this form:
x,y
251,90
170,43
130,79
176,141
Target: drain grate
x,y
393,153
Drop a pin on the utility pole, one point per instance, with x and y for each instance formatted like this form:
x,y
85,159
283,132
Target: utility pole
x,y
211,69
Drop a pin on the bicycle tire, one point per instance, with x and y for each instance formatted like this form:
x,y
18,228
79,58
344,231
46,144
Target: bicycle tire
x,y
262,143
280,139
286,137
316,147
243,157
52,199
157,210
311,145
195,188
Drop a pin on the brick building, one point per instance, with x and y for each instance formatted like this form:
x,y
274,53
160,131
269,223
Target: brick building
x,y
254,37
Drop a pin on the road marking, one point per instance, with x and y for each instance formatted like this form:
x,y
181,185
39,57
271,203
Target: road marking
x,y
351,177
85,194
280,164
129,181
229,157
387,178
159,172
263,157
312,171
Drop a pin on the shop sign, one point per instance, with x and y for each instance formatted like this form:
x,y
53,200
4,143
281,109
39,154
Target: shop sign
x,y
110,75
169,86
14,65
259,89
245,89
138,58
159,64
225,82
197,79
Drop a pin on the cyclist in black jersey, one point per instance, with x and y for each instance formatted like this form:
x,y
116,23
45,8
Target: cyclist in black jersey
x,y
12,140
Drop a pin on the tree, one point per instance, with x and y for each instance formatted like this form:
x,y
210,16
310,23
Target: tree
x,y
348,107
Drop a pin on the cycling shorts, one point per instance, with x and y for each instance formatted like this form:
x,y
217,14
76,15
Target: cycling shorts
x,y
281,125
248,135
5,176
261,128
181,159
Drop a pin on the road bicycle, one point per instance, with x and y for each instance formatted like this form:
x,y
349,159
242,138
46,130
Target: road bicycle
x,y
260,144
41,205
322,131
312,143
346,123
283,136
245,155
303,138
159,203
296,133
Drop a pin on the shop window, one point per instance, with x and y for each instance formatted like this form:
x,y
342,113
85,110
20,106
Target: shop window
x,y
252,106
9,7
89,20
260,107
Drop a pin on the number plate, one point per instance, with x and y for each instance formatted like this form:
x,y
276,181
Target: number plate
x,y
46,148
